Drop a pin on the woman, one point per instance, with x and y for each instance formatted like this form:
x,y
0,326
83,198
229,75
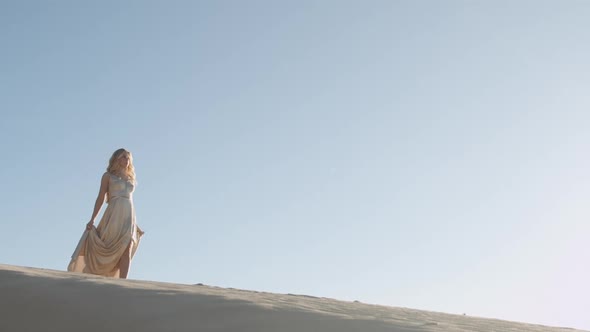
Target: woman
x,y
108,249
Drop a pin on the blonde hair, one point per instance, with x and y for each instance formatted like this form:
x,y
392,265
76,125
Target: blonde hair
x,y
114,168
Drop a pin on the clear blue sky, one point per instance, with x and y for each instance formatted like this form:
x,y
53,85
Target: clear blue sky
x,y
424,154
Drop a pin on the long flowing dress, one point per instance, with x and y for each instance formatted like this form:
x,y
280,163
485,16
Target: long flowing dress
x,y
100,248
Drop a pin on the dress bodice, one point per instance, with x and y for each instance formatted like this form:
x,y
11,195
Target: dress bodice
x,y
119,187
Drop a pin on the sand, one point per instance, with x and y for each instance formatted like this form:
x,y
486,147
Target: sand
x,y
33,299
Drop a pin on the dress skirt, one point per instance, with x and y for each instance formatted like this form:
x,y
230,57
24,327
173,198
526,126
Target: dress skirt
x,y
100,249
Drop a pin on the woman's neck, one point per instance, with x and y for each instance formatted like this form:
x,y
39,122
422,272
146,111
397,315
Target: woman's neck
x,y
120,173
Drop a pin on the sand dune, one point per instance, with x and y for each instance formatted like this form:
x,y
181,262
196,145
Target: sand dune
x,y
46,300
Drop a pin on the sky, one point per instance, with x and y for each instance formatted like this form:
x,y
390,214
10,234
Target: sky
x,y
421,154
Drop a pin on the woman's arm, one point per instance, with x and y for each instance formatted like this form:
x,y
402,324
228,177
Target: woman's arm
x,y
104,188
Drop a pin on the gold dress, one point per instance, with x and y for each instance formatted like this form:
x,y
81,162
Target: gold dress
x,y
100,248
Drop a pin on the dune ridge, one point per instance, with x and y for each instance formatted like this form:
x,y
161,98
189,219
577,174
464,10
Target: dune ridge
x,y
34,299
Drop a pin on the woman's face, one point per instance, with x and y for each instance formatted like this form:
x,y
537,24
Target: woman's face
x,y
123,161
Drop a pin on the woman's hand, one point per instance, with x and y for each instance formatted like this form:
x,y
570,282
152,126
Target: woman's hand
x,y
89,225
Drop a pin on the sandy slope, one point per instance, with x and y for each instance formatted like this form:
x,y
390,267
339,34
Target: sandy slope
x,y
46,300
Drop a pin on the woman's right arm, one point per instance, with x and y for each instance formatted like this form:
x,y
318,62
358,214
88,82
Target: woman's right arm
x,y
104,188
